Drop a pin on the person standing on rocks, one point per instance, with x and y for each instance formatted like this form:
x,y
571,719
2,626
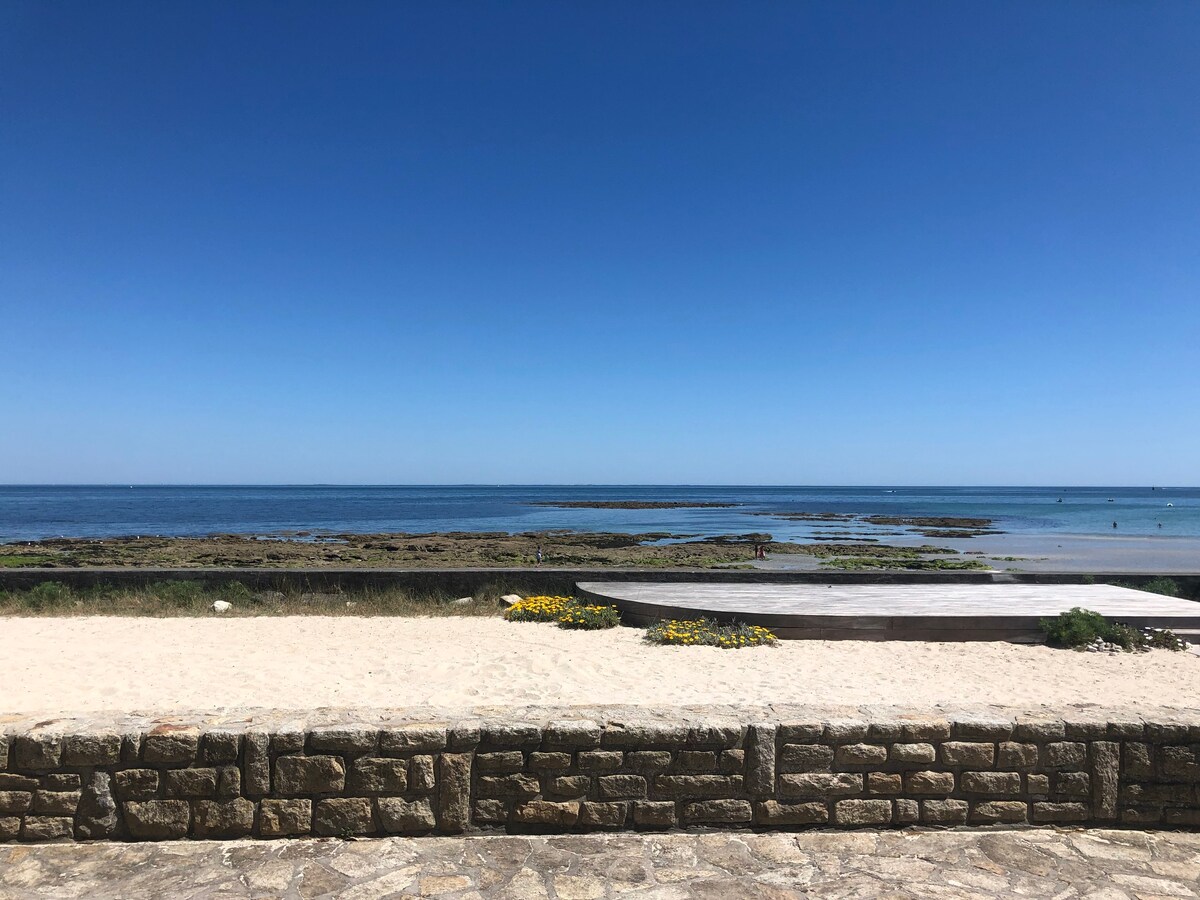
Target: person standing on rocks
x,y
538,555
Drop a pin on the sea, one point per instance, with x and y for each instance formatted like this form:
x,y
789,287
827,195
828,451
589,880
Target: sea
x,y
309,512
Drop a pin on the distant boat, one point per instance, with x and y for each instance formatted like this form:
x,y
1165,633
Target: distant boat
x,y
1170,504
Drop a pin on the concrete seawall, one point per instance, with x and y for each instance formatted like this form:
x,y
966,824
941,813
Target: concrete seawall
x,y
539,580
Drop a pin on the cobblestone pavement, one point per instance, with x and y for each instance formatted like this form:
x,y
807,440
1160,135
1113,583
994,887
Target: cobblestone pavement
x,y
1092,863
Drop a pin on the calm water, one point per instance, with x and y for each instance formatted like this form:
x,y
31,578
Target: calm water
x,y
32,512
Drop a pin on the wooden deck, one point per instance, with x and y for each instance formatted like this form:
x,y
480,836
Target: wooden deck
x,y
945,612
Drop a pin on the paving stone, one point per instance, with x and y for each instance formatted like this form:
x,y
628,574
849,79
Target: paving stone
x,y
941,865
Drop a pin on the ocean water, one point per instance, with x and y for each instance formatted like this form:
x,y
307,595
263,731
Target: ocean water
x,y
34,512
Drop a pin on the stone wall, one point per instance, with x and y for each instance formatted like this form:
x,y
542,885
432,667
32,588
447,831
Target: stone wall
x,y
147,780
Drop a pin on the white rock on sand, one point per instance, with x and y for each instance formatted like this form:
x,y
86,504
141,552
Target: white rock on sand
x,y
115,663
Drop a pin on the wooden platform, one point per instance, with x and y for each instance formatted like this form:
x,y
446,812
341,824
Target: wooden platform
x,y
938,612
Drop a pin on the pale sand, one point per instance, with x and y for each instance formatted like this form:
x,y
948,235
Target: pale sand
x,y
88,664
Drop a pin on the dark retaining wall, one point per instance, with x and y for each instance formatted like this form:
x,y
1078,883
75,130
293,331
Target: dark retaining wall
x,y
460,582
176,780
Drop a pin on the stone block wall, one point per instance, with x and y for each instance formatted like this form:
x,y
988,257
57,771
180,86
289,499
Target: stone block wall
x,y
179,780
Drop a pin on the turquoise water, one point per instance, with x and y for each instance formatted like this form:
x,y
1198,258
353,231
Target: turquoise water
x,y
33,512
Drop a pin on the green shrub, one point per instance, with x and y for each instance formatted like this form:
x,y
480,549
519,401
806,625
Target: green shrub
x,y
1164,639
589,618
1078,628
1165,586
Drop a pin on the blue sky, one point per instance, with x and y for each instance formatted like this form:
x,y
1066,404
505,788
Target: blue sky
x,y
797,243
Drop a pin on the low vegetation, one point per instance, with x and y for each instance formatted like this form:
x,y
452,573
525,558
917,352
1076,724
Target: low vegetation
x,y
195,598
1084,629
566,612
708,633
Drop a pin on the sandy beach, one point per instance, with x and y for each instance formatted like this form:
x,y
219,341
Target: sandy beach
x,y
91,664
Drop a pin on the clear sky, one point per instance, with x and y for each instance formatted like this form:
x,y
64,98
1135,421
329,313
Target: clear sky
x,y
794,243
